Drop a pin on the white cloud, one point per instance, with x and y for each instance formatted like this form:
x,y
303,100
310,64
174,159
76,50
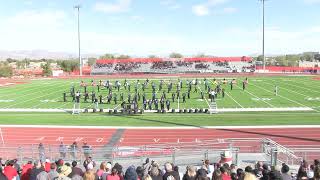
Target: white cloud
x,y
204,8
200,10
119,6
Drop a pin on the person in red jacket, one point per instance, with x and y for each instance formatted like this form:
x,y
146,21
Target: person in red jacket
x,y
10,171
26,169
47,165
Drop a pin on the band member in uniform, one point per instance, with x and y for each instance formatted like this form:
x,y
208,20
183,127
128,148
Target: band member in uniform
x,y
173,96
78,97
86,96
115,99
162,104
93,96
64,97
184,97
129,98
121,96
156,104
168,104
243,85
276,90
188,94
150,104
100,99
145,104
212,97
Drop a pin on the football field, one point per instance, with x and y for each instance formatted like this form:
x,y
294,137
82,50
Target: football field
x,y
293,92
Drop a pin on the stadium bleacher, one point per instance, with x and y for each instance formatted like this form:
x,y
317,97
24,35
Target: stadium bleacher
x,y
172,65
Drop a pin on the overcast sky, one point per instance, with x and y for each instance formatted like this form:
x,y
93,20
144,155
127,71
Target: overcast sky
x,y
143,27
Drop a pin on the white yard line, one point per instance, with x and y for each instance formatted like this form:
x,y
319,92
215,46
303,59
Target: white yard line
x,y
234,99
206,98
37,97
286,98
33,89
287,89
257,97
299,86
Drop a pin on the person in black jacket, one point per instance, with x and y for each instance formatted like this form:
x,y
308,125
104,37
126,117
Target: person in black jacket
x,y
190,173
169,172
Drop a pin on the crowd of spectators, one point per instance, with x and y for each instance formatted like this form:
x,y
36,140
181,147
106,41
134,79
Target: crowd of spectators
x,y
151,170
183,63
109,65
162,65
202,66
126,66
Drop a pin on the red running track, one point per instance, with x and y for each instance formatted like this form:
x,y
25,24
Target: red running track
x,y
19,136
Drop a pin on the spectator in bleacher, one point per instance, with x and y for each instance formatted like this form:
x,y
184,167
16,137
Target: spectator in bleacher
x,y
275,175
190,173
2,176
89,161
302,173
176,168
52,174
64,171
75,170
224,173
114,174
89,175
101,170
169,172
285,172
216,175
316,172
10,171
240,174
155,173
43,175
37,169
139,171
26,169
131,173
108,171
47,165
119,170
202,175
249,176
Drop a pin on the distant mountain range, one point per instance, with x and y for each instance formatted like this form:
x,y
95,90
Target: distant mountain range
x,y
40,54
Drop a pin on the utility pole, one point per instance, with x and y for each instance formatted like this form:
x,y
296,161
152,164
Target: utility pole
x,y
79,50
263,54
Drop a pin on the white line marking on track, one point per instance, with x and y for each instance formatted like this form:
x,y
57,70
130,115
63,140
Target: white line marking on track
x,y
2,139
155,127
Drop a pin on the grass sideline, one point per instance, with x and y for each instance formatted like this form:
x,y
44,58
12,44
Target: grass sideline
x,y
163,120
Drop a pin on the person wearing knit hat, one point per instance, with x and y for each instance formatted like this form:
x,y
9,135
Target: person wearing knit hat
x,y
64,171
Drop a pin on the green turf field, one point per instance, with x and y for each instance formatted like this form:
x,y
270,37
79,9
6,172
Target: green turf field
x,y
294,91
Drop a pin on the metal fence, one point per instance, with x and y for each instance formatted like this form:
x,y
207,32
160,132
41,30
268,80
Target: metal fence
x,y
178,153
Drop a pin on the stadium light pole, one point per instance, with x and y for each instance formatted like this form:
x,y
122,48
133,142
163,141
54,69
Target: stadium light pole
x,y
79,50
263,54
